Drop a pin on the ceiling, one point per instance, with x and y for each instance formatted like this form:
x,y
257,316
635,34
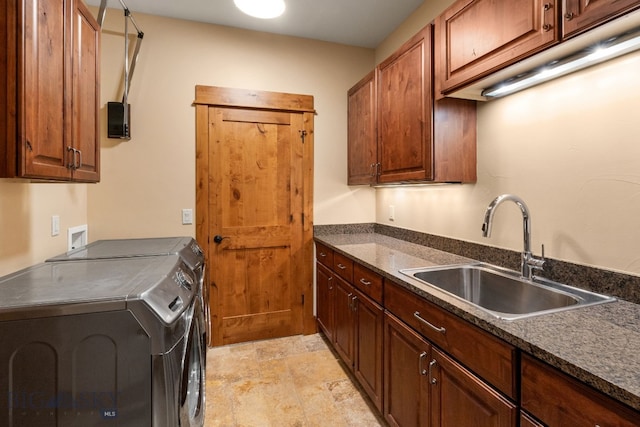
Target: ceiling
x,y
364,23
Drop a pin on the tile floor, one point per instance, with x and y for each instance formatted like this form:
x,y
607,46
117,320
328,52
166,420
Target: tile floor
x,y
293,381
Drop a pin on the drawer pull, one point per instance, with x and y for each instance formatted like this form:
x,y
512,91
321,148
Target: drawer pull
x,y
342,267
432,326
322,254
365,282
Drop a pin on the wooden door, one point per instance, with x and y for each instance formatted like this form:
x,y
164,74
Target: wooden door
x,y
362,154
343,317
325,298
459,398
45,77
86,94
474,38
406,389
581,15
253,213
405,112
367,363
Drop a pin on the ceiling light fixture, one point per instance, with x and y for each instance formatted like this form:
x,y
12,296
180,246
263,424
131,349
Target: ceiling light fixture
x,y
609,49
263,9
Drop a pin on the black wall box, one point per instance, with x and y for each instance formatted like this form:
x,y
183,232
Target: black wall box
x,y
118,126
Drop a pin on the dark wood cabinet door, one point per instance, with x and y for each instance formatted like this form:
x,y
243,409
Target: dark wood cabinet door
x,y
325,301
474,38
86,95
581,15
367,366
343,327
559,400
406,386
405,112
43,134
459,398
362,155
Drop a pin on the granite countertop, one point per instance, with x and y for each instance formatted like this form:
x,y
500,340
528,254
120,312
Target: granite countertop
x,y
599,345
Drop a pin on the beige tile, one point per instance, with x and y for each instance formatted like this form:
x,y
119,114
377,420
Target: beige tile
x,y
292,381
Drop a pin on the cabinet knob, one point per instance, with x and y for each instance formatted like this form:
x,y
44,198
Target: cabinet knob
x,y
569,16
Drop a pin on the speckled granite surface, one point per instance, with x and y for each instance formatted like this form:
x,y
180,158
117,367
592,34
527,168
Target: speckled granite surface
x,y
599,345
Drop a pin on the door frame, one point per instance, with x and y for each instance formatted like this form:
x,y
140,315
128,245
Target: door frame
x,y
213,96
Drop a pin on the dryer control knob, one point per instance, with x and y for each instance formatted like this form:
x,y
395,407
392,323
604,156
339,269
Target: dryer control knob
x,y
184,279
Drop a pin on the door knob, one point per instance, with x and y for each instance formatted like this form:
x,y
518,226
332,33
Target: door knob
x,y
218,238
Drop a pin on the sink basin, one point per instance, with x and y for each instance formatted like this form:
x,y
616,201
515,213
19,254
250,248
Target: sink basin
x,y
504,293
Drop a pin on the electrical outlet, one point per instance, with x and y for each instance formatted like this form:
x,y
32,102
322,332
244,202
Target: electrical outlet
x,y
55,225
187,216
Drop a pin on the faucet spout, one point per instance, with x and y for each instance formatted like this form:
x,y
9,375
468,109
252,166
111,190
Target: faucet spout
x,y
529,262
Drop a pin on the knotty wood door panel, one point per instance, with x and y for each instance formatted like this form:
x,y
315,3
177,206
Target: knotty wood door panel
x,y
256,200
254,211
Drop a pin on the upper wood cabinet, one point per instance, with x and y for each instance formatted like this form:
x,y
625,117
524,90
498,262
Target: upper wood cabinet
x,y
474,38
405,112
361,140
581,15
397,133
50,71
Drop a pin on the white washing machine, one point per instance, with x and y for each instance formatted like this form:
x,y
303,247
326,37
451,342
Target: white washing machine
x,y
103,342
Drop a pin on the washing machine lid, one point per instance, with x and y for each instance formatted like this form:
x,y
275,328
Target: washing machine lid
x,y
61,288
126,248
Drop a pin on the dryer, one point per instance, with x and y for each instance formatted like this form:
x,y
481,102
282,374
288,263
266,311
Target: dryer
x,y
102,342
186,247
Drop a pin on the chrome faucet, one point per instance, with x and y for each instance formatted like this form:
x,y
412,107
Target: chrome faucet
x,y
529,262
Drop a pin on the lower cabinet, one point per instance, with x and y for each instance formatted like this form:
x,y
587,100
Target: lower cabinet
x,y
580,405
423,366
353,324
406,385
425,387
325,295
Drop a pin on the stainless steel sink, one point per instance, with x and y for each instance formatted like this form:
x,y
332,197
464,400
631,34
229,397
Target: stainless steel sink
x,y
504,293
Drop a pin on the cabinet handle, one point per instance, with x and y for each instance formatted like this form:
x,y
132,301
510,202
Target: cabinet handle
x,y
342,267
569,16
79,164
433,379
354,306
546,26
322,254
441,330
330,281
71,158
421,370
373,169
350,301
365,282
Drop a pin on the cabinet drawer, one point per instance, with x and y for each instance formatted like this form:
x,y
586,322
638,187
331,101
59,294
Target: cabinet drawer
x,y
559,400
368,282
343,267
487,356
324,255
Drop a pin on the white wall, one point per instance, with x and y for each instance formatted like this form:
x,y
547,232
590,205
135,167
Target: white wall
x,y
25,220
571,150
149,179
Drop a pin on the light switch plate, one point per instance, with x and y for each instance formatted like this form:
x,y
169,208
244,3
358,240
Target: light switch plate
x,y
55,225
187,216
